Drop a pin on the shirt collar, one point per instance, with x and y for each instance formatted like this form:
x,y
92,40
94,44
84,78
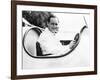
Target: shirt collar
x,y
50,31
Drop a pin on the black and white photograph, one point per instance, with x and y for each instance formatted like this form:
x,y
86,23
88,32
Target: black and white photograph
x,y
55,39
54,35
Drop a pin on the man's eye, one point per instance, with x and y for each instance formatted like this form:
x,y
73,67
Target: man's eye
x,y
54,23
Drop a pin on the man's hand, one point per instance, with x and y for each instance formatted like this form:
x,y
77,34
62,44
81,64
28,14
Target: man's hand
x,y
72,44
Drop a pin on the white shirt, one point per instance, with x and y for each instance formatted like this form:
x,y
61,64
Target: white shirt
x,y
51,44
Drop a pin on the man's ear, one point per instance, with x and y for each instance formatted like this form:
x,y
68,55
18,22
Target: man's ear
x,y
47,23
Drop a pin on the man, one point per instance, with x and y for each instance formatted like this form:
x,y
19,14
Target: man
x,y
49,43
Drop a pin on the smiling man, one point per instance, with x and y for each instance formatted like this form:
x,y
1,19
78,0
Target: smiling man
x,y
49,43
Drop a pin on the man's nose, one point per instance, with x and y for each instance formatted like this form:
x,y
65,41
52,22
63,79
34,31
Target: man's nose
x,y
55,26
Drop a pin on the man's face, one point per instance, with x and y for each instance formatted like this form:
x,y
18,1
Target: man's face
x,y
53,25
